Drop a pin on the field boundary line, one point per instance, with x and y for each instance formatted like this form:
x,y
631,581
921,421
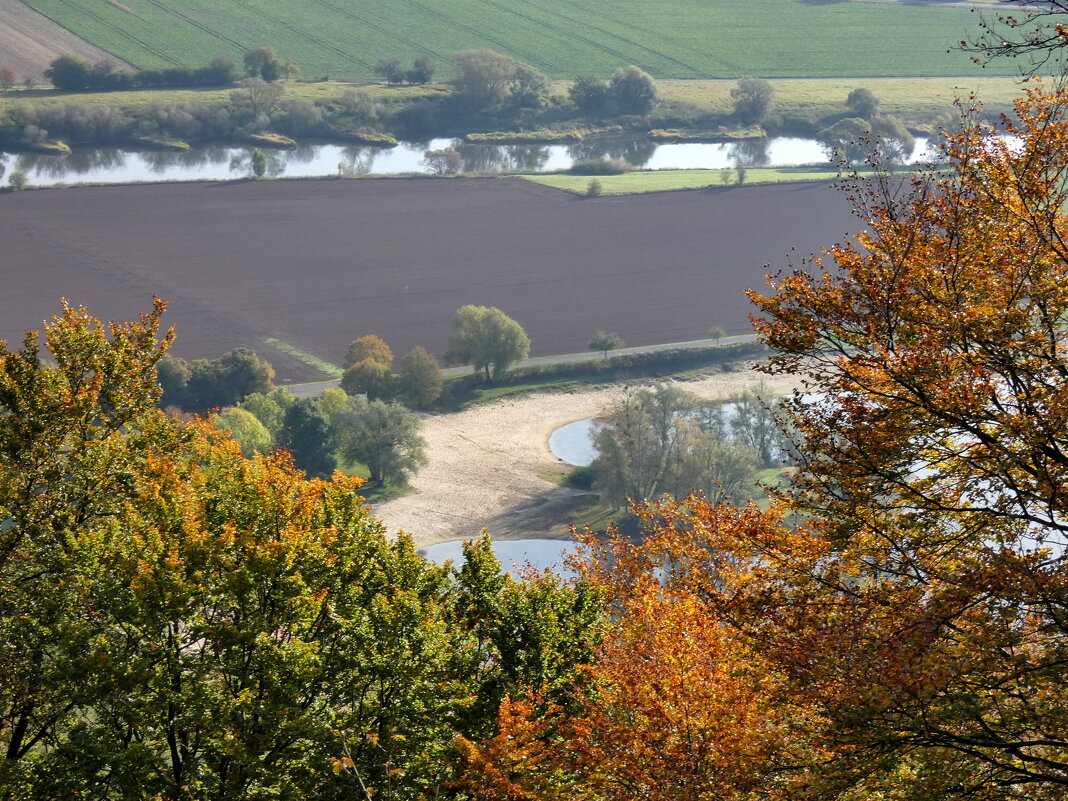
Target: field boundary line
x,y
349,14
702,74
594,43
311,37
117,29
198,24
530,59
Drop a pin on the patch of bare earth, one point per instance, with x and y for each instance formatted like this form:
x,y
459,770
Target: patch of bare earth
x,y
486,465
29,41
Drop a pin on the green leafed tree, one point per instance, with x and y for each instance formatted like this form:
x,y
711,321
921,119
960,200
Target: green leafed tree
x,y
383,436
605,341
633,90
250,433
390,69
486,79
753,98
422,71
69,73
589,94
270,408
204,383
419,378
308,436
487,339
258,163
76,425
265,63
863,103
652,443
527,86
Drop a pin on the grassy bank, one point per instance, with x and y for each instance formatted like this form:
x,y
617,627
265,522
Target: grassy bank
x,y
671,180
909,98
815,97
294,90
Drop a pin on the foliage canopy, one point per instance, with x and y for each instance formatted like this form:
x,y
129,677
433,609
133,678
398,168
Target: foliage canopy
x,y
487,339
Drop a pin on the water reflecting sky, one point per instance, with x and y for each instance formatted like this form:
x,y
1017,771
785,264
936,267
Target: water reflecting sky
x,y
225,162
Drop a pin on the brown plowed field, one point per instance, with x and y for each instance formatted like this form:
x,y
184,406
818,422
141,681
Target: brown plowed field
x,y
29,41
318,263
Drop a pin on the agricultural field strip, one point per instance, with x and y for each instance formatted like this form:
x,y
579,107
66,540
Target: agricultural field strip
x,y
197,24
571,21
418,46
120,30
528,57
605,16
31,40
318,40
564,37
142,24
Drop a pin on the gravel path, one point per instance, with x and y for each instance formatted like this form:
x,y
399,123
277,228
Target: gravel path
x,y
488,462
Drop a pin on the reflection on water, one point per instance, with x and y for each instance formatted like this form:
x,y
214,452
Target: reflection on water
x,y
356,160
241,163
504,158
636,152
224,162
750,153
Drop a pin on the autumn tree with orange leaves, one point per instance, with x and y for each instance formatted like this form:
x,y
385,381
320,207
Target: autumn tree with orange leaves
x,y
896,626
677,704
934,461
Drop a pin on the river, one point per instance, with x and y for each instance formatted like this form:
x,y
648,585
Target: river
x,y
109,165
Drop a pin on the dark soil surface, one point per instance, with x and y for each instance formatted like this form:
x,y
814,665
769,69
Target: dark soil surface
x,y
318,263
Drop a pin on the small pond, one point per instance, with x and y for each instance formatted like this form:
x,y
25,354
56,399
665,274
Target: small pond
x,y
542,554
225,162
573,443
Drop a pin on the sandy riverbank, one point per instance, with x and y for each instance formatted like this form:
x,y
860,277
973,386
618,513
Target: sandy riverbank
x,y
487,465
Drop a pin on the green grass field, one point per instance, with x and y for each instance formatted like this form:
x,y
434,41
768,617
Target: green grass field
x,y
814,98
670,38
320,90
670,180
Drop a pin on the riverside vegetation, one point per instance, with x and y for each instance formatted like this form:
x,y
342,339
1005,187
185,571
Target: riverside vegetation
x,y
491,97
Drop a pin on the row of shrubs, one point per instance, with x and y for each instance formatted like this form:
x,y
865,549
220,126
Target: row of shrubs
x,y
71,73
250,110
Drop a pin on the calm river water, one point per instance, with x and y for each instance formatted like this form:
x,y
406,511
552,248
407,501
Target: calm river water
x,y
223,162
